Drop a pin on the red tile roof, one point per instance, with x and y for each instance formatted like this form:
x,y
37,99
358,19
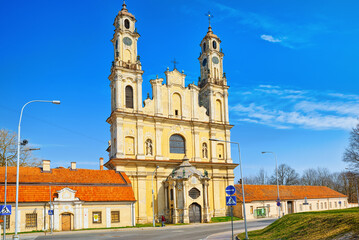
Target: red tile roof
x,y
91,185
64,175
269,192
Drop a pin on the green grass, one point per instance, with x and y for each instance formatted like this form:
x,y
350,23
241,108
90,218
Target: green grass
x,y
310,225
223,219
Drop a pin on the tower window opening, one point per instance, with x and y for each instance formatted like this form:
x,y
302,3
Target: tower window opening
x,y
116,44
214,43
127,24
129,97
204,47
176,112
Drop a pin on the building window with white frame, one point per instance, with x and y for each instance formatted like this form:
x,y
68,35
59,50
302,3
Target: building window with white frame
x,y
115,216
31,220
96,217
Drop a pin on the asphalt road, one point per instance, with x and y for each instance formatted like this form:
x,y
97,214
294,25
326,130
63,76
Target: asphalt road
x,y
190,232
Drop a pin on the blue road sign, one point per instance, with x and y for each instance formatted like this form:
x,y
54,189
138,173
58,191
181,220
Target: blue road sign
x,y
230,189
5,209
51,212
278,204
231,200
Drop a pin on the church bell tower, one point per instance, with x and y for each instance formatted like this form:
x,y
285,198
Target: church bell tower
x,y
212,82
126,77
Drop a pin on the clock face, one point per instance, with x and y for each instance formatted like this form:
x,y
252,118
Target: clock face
x,y
215,60
127,41
204,63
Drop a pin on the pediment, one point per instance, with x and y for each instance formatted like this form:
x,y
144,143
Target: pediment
x,y
66,194
174,77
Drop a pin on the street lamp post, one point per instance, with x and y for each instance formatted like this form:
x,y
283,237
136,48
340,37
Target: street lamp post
x,y
16,236
153,198
276,167
240,165
5,190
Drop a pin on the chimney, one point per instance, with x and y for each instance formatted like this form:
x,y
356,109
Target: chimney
x,y
73,165
101,163
46,166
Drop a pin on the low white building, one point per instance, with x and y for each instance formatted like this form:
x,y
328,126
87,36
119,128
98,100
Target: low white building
x,y
79,198
261,200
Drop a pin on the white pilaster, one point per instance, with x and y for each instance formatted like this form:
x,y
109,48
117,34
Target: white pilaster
x,y
139,94
108,217
119,138
226,110
140,143
197,147
86,218
158,143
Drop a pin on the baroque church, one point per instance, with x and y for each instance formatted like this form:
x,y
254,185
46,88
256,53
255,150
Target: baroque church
x,y
164,144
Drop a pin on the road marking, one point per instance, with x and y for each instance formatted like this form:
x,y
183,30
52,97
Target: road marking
x,y
178,231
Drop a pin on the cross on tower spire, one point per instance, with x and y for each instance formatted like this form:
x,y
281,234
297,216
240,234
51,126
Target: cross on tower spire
x,y
174,63
124,6
209,15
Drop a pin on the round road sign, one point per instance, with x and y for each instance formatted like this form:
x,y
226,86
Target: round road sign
x,y
230,189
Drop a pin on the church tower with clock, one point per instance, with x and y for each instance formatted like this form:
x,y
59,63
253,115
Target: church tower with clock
x,y
163,143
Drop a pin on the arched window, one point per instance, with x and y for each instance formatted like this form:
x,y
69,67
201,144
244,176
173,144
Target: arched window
x,y
129,97
177,144
127,24
149,148
214,45
177,105
204,150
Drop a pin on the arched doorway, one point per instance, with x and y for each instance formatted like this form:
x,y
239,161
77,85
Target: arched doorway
x,y
66,221
195,213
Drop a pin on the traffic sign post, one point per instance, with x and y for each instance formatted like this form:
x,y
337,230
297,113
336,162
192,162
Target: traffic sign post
x,y
231,201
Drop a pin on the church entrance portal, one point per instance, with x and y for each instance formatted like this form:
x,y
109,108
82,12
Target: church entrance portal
x,y
194,213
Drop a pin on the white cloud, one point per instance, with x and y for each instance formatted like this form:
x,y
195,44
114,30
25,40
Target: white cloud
x,y
294,34
290,108
270,38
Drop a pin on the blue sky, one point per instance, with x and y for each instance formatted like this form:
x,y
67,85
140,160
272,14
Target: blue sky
x,y
292,67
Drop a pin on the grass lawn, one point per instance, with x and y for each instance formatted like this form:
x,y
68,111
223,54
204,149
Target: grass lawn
x,y
310,225
223,219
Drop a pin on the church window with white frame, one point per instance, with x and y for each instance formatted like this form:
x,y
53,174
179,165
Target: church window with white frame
x,y
177,144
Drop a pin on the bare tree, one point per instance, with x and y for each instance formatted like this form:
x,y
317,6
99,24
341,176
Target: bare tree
x,y
286,176
351,154
260,179
309,177
8,150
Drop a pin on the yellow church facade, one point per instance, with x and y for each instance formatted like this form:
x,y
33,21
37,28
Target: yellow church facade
x,y
163,143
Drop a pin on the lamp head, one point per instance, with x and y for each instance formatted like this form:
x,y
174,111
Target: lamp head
x,y
213,139
264,152
56,102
